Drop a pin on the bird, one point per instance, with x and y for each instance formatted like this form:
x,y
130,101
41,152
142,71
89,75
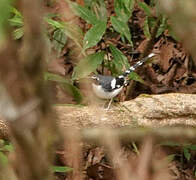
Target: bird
x,y
107,87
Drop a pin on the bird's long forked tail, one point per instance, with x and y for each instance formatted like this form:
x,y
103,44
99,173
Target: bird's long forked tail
x,y
136,65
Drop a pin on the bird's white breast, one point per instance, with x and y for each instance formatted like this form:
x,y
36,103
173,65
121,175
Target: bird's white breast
x,y
98,90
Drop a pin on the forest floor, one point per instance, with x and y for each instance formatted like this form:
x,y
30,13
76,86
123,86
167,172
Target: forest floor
x,y
172,70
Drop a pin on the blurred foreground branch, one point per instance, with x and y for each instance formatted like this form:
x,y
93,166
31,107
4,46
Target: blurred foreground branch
x,y
128,135
24,101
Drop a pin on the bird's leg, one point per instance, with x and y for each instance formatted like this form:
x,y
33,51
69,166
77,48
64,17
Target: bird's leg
x,y
109,104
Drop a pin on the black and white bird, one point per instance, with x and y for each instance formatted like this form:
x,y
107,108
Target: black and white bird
x,y
107,87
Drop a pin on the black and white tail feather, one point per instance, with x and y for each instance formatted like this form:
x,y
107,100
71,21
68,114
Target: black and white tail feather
x,y
107,87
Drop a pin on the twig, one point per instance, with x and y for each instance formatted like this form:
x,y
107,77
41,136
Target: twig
x,y
128,135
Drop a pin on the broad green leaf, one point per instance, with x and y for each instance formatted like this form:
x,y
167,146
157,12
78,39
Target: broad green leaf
x,y
3,158
123,9
129,4
134,76
151,22
191,147
87,65
59,39
88,3
120,60
2,142
170,143
7,147
15,12
135,148
53,15
74,32
4,15
162,27
146,29
100,10
55,24
18,33
16,21
94,35
145,7
170,157
84,13
71,30
61,169
187,154
65,84
152,3
122,28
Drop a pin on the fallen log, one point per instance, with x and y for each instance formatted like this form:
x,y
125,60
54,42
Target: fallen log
x,y
152,111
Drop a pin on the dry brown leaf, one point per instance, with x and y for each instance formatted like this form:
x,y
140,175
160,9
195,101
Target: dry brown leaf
x,y
166,54
56,66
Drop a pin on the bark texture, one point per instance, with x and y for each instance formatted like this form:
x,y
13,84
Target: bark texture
x,y
145,110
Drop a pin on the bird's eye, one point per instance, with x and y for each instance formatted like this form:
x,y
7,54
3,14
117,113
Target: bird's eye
x,y
94,77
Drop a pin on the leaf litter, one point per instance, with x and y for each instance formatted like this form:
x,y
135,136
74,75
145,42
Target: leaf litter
x,y
172,70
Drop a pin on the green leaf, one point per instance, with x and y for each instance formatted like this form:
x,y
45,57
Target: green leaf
x,y
122,28
135,148
74,32
2,142
129,4
61,169
4,14
146,29
18,33
55,24
94,35
120,60
53,15
88,3
100,10
16,21
8,147
191,147
87,65
123,9
170,157
84,13
170,143
134,76
65,84
187,154
162,27
3,158
145,7
59,39
71,30
151,22
15,12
